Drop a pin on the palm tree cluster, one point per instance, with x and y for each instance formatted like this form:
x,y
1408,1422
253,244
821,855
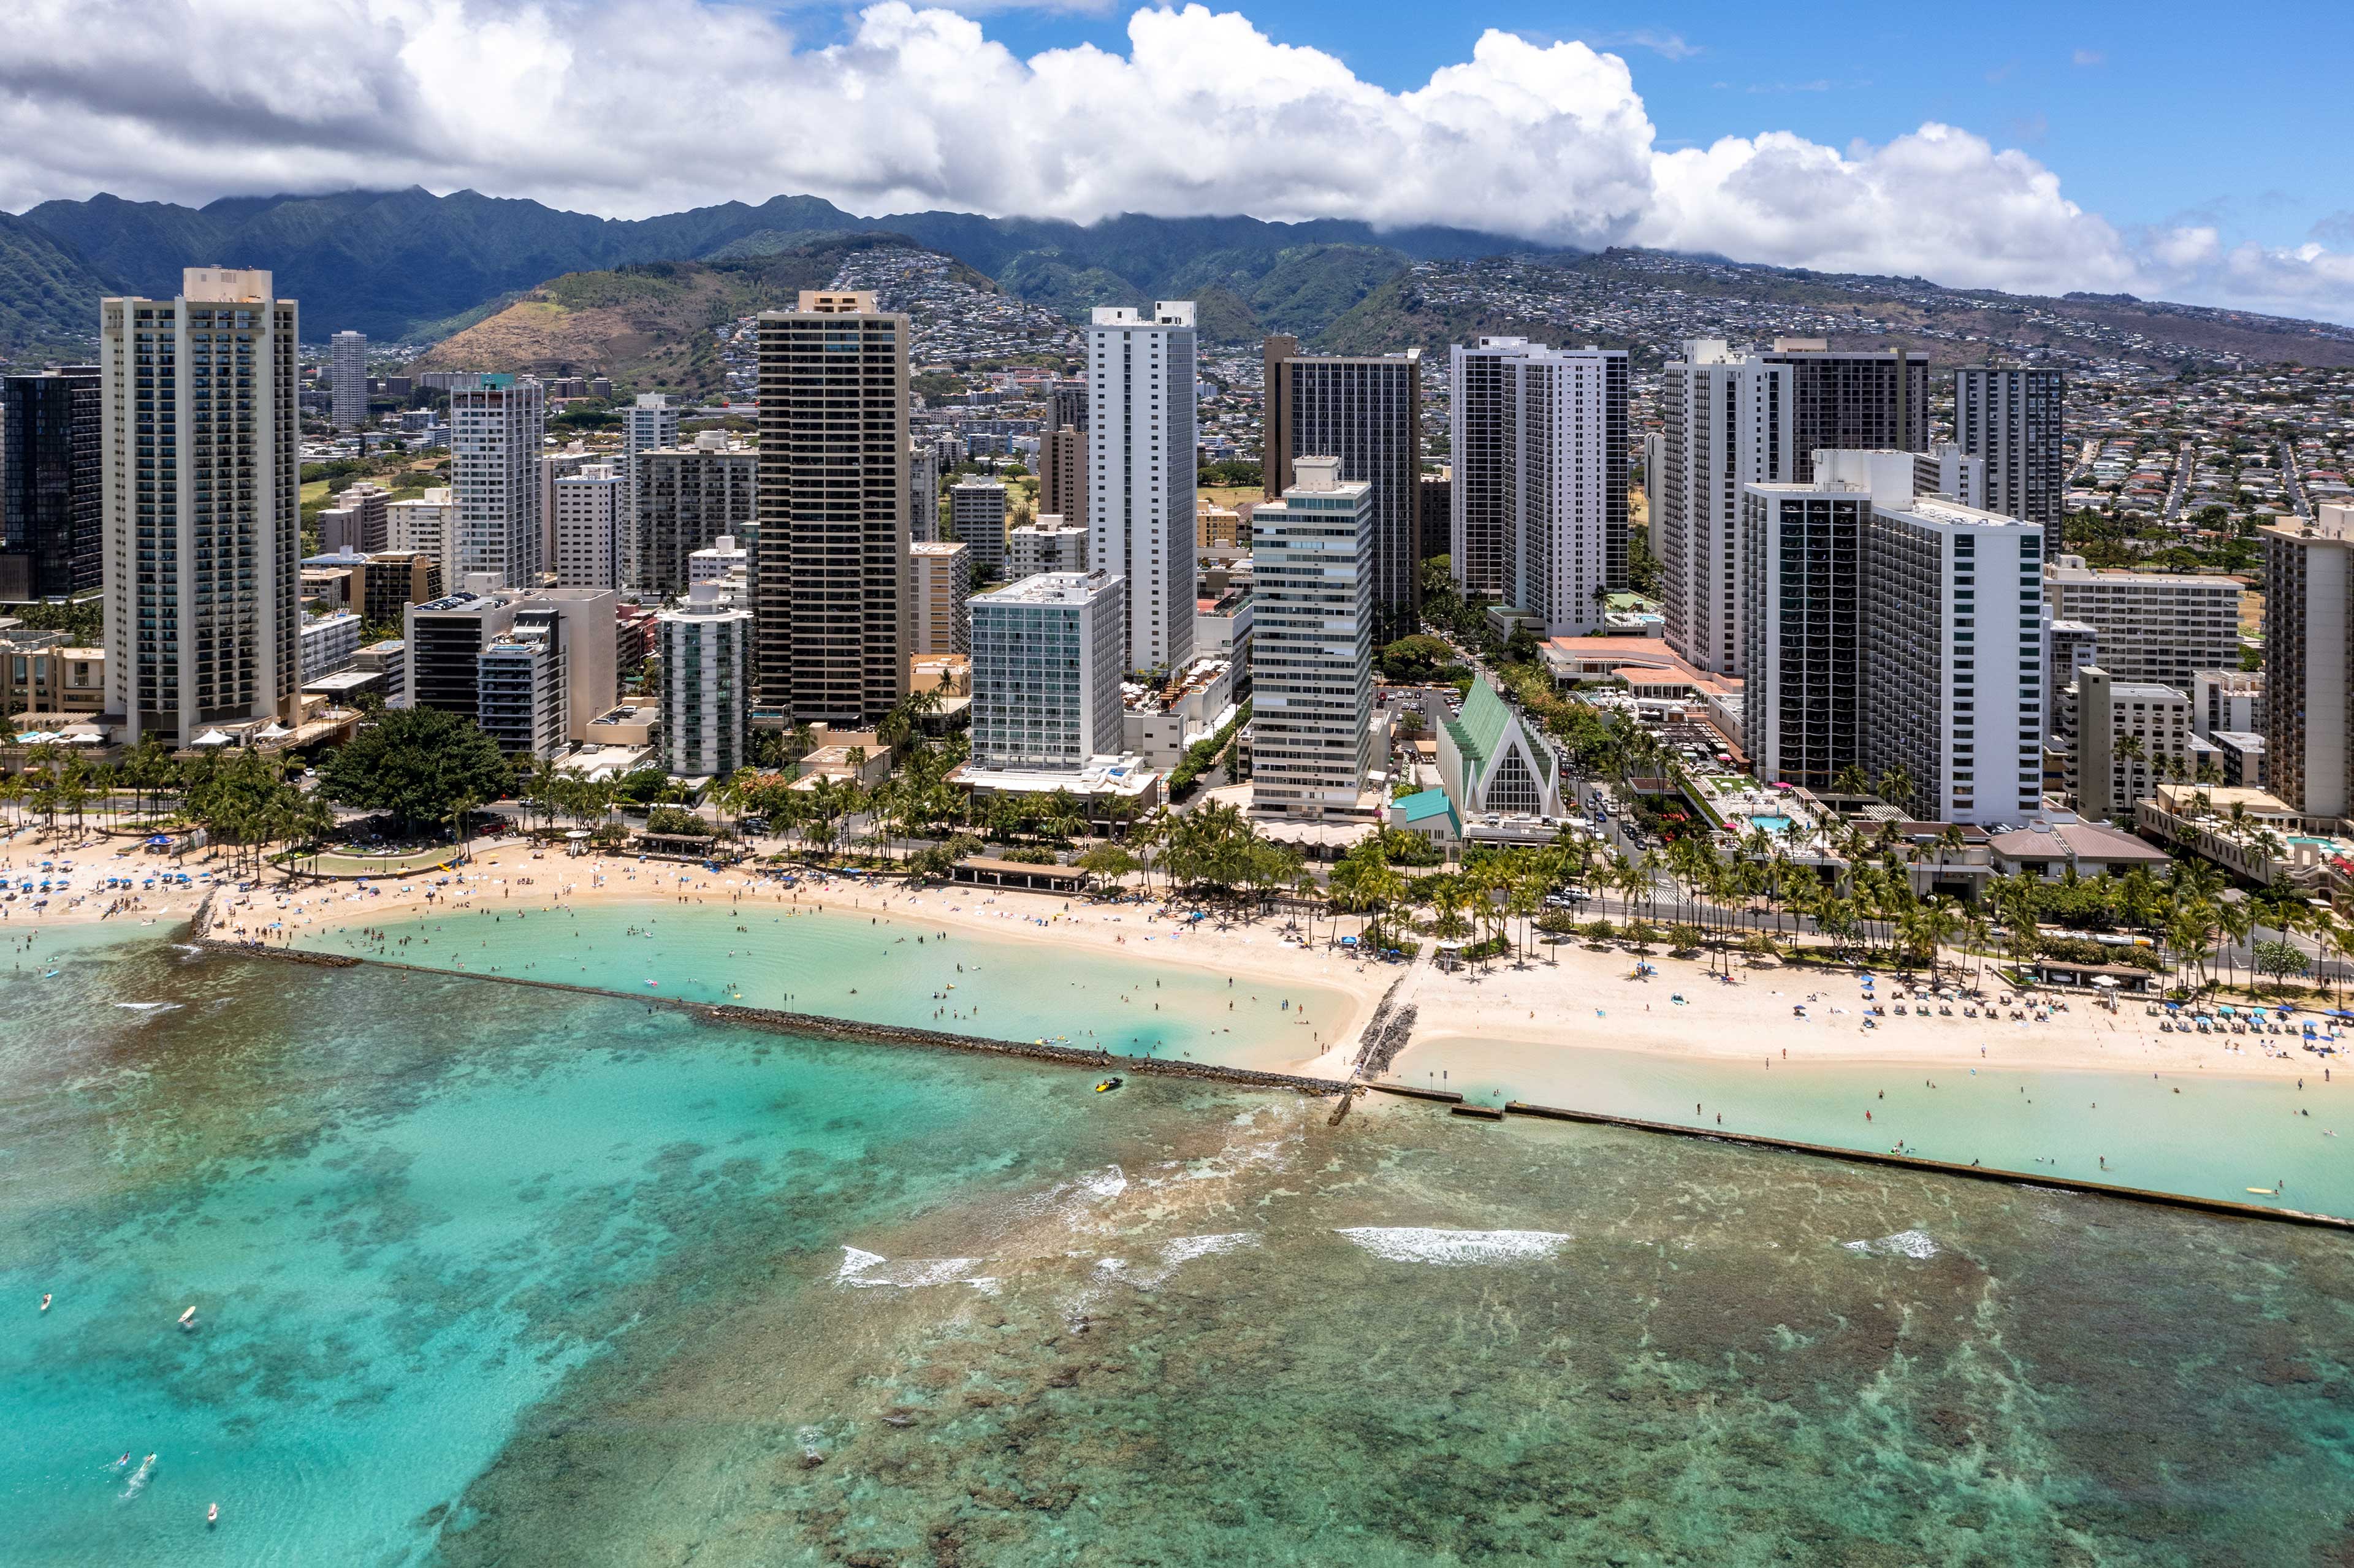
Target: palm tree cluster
x,y
240,798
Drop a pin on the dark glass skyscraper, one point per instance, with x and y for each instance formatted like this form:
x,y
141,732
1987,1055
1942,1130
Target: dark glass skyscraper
x,y
51,507
1366,412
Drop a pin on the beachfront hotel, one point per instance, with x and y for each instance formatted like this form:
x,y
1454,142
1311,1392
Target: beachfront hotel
x,y
831,573
1895,633
2310,647
1311,658
201,437
706,691
1047,660
1139,512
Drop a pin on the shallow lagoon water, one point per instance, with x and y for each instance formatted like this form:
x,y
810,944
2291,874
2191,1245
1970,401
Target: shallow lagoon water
x,y
2212,1134
873,968
495,1274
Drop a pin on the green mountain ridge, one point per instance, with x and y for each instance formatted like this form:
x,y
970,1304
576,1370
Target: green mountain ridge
x,y
399,265
48,290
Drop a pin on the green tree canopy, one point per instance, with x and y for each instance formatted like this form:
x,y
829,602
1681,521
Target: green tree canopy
x,y
419,764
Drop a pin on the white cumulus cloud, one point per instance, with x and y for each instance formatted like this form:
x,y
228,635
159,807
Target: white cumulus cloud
x,y
633,107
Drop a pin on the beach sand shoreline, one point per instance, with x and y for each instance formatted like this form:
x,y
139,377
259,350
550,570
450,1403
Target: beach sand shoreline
x,y
1554,1002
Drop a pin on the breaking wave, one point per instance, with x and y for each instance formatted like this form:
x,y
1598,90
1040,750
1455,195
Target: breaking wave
x,y
1420,1244
1904,1244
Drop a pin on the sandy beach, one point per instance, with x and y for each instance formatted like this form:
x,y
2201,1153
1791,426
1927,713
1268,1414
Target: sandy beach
x,y
80,867
1559,1001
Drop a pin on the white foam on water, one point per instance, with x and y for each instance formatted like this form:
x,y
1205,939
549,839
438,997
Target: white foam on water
x,y
1452,1248
1185,1249
1174,1253
1904,1244
149,1006
866,1270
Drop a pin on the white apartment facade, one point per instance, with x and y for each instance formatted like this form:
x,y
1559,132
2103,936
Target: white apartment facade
x,y
2152,626
1047,661
427,525
590,507
2124,736
201,443
1311,646
706,682
1568,490
1898,633
496,425
1140,468
1728,420
1049,544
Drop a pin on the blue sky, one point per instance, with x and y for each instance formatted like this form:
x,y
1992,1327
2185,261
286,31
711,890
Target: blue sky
x,y
2174,153
2148,113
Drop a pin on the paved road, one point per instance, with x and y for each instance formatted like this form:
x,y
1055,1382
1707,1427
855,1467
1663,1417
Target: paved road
x,y
2292,488
2186,460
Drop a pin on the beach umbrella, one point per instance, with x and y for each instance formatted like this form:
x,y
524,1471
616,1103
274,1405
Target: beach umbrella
x,y
2104,980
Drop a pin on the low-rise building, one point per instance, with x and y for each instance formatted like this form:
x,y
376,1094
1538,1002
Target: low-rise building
x,y
1158,723
1490,763
1049,544
2050,846
329,642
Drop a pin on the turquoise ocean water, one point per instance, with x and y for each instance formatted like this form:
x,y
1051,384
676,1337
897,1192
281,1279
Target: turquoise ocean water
x,y
2211,1134
493,1274
889,968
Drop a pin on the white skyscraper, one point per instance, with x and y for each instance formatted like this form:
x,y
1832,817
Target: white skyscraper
x,y
706,646
348,378
588,532
649,424
201,440
1140,473
1313,652
1729,423
1567,494
496,424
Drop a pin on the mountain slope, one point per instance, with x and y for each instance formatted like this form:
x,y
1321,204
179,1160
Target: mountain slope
x,y
48,290
646,323
394,263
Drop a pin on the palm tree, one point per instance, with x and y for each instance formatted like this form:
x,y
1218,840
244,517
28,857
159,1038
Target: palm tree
x,y
2236,919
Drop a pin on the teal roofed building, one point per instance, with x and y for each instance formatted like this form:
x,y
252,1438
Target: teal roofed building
x,y
1429,815
1490,763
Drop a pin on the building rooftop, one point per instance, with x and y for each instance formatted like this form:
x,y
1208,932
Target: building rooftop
x,y
1050,588
2075,841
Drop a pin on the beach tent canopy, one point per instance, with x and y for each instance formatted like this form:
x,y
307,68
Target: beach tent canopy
x,y
41,738
273,730
212,738
2104,980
